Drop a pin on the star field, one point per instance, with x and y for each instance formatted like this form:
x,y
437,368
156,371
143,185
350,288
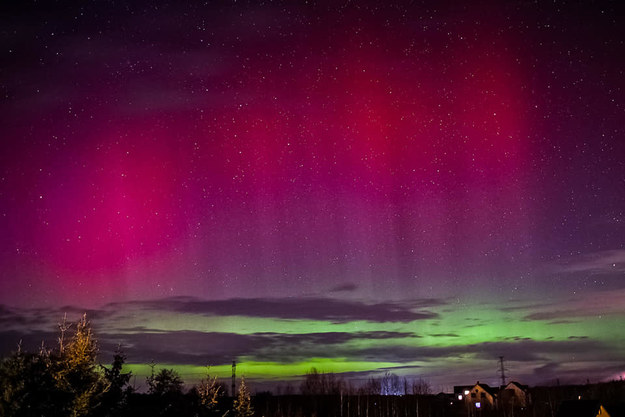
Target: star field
x,y
447,163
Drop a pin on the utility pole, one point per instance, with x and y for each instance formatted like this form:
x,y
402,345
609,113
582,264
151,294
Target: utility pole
x,y
234,378
503,372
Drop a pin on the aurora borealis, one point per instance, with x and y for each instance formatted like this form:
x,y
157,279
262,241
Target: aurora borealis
x,y
418,187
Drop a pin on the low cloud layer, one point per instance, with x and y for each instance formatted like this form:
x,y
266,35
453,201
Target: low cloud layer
x,y
413,335
295,308
585,304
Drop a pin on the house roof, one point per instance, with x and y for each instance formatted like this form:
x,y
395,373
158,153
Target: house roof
x,y
520,386
579,408
487,388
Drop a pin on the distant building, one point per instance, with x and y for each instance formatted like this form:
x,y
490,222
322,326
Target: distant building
x,y
483,396
514,395
478,396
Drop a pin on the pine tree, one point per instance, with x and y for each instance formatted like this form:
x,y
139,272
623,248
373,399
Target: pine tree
x,y
116,396
209,391
27,386
243,402
167,381
75,370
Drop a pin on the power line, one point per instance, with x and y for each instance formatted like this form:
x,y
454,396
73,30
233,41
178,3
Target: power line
x,y
234,377
502,370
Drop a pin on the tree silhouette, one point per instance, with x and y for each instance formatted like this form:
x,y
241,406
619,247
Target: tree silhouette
x,y
167,381
320,383
27,387
421,387
116,397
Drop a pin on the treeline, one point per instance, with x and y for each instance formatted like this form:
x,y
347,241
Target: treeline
x,y
319,383
329,395
356,404
67,381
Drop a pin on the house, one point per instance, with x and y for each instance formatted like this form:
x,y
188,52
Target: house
x,y
480,396
581,408
514,395
483,396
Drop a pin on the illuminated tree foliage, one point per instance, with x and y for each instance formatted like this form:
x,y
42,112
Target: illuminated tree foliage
x,y
243,402
209,391
76,371
66,381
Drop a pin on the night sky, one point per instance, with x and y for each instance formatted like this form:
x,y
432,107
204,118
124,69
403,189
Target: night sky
x,y
417,187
